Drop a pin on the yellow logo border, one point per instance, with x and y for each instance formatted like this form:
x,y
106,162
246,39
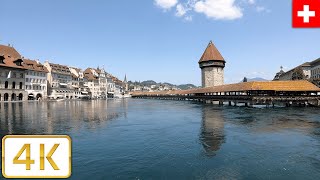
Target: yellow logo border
x,y
37,136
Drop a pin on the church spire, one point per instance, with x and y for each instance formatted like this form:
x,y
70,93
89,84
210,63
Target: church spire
x,y
125,78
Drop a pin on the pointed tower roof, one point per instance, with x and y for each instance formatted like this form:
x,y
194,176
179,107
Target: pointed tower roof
x,y
125,78
211,54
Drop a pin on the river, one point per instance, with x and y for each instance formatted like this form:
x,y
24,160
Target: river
x,y
158,139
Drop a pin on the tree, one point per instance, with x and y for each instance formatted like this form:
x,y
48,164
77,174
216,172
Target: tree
x,y
298,74
245,79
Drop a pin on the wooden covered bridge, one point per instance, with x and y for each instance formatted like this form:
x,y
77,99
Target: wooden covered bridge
x,y
269,93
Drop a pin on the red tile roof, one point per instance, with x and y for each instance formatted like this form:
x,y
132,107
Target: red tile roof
x,y
34,65
9,61
304,86
211,53
264,86
61,69
9,51
88,74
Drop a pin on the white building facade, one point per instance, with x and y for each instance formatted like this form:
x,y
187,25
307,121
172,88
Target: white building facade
x,y
60,81
35,80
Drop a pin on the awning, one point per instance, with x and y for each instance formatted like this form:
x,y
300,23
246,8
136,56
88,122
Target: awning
x,y
63,84
31,95
84,92
110,92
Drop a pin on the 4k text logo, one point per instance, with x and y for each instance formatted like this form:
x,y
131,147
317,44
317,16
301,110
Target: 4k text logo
x,y
36,156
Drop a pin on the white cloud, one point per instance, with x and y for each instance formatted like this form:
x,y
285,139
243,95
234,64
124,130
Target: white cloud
x,y
181,10
219,9
215,9
188,18
262,9
166,4
251,1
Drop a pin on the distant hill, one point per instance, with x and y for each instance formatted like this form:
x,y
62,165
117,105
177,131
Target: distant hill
x,y
186,86
149,83
255,79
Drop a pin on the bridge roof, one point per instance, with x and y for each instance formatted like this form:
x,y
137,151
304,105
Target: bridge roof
x,y
301,86
263,86
211,53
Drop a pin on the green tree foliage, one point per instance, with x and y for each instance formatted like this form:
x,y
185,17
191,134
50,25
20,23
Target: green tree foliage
x,y
298,74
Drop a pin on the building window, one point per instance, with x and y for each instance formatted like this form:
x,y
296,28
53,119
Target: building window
x,y
13,85
6,85
18,62
20,97
20,85
6,97
13,97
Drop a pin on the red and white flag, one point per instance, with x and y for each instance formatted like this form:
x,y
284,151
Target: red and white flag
x,y
306,14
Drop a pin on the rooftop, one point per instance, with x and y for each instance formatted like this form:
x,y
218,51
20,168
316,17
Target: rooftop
x,y
11,62
62,69
34,65
211,53
287,86
90,74
9,51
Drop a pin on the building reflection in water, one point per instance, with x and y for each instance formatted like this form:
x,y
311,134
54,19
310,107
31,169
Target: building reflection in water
x,y
212,131
58,117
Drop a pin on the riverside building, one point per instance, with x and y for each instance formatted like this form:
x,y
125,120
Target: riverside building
x,y
60,81
92,83
308,70
35,79
78,83
103,85
12,75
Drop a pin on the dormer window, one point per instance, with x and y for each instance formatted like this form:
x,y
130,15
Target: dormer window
x,y
18,62
2,59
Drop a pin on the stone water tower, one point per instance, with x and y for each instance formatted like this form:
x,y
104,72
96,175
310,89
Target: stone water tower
x,y
212,67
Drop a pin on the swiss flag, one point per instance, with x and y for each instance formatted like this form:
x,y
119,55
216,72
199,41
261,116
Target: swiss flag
x,y
306,14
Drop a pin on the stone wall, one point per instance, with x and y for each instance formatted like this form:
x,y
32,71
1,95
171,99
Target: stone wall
x,y
212,76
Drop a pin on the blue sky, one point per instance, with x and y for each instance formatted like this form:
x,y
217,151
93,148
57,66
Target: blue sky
x,y
160,40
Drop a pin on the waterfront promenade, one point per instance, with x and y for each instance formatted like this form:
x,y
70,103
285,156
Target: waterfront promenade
x,y
284,93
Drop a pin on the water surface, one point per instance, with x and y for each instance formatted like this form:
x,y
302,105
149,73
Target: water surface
x,y
157,139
